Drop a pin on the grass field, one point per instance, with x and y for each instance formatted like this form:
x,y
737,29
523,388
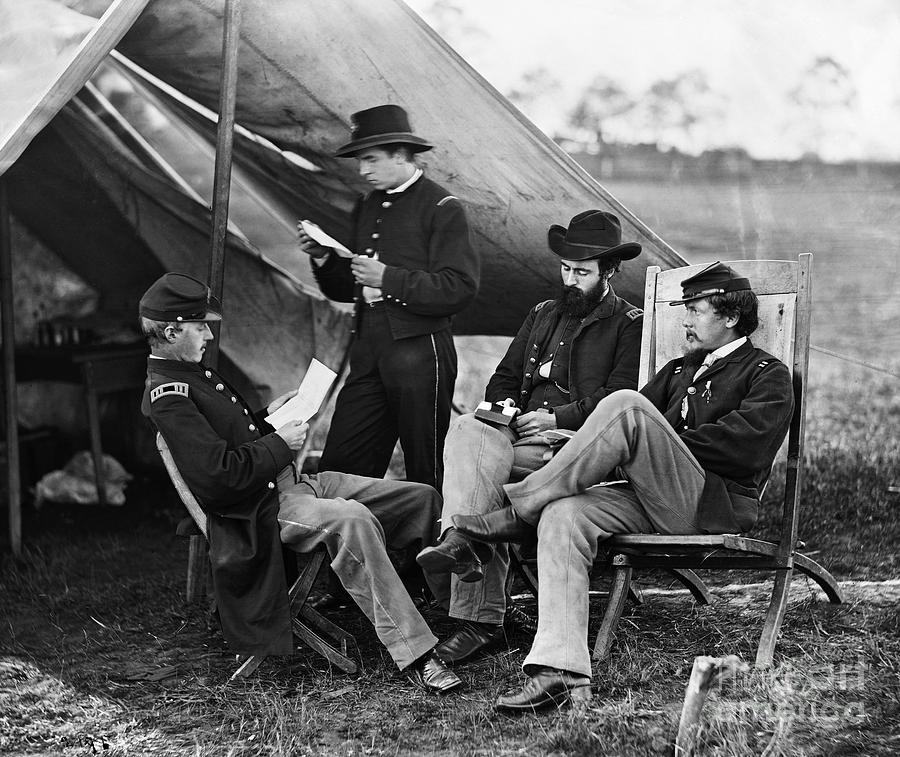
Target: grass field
x,y
99,654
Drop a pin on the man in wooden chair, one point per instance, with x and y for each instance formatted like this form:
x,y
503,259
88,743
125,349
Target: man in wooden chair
x,y
241,471
695,445
568,355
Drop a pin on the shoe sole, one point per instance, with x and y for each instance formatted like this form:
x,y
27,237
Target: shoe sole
x,y
416,679
557,700
433,560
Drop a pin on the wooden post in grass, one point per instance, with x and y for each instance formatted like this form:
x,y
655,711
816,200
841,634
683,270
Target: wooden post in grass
x,y
11,415
707,672
222,179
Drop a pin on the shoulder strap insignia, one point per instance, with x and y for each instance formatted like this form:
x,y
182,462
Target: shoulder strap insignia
x,y
447,199
634,313
763,364
173,387
677,369
541,304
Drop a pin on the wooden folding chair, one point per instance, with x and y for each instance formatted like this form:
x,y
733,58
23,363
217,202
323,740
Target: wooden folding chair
x,y
783,288
320,634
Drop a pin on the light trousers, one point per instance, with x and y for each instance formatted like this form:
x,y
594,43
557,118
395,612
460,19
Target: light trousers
x,y
478,460
358,519
624,431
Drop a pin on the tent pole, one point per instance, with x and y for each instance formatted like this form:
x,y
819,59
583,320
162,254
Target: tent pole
x,y
222,178
14,491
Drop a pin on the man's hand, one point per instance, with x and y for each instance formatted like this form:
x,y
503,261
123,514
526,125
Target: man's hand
x,y
533,423
279,401
310,246
294,434
367,271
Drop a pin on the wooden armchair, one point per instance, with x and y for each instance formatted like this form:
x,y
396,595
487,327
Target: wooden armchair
x,y
320,634
783,288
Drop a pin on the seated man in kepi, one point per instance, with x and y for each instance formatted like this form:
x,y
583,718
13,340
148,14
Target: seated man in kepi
x,y
568,355
695,445
242,473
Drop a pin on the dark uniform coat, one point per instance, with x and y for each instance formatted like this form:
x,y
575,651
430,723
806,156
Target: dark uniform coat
x,y
403,368
738,412
604,357
422,236
230,459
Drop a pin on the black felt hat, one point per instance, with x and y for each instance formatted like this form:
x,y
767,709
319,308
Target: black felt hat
x,y
381,125
716,278
179,297
592,235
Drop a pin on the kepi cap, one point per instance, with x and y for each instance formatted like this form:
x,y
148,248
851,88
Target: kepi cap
x,y
716,278
591,235
179,297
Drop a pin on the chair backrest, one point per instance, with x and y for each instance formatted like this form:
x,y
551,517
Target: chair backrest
x,y
189,500
784,291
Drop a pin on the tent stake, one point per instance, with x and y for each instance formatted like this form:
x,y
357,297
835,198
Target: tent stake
x,y
222,178
11,415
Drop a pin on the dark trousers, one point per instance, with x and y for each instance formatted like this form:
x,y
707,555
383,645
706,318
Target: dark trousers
x,y
396,388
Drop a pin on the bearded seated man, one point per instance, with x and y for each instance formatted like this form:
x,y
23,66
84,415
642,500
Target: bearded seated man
x,y
567,356
695,446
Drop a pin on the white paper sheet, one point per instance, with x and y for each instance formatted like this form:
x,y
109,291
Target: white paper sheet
x,y
324,239
308,399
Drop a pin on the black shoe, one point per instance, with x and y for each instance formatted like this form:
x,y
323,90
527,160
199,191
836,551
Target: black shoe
x,y
496,526
519,619
453,555
431,673
548,688
469,638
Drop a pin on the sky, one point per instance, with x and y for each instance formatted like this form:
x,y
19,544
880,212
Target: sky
x,y
753,53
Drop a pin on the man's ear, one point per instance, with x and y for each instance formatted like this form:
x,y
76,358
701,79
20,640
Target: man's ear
x,y
171,334
731,320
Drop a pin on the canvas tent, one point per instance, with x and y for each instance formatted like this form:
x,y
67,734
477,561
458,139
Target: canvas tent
x,y
118,219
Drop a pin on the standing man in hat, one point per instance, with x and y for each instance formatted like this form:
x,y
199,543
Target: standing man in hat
x,y
695,445
414,269
568,355
241,471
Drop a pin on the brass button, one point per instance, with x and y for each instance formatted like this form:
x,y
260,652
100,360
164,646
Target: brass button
x,y
692,390
369,250
375,235
252,427
271,484
234,399
220,387
527,375
246,411
208,374
385,204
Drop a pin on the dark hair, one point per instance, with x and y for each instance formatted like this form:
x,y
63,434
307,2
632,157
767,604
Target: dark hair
x,y
742,304
394,147
155,331
609,265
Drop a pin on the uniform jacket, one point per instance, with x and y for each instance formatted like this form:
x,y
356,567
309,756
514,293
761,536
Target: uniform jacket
x,y
604,357
422,236
230,459
738,412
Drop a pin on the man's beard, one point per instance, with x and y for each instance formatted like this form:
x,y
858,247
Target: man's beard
x,y
576,303
693,359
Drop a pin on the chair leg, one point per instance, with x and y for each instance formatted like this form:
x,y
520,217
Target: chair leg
x,y
248,666
774,617
528,576
197,566
618,594
694,584
817,573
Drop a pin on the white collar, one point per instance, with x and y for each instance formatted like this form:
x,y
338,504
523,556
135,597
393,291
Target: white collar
x,y
727,349
406,184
